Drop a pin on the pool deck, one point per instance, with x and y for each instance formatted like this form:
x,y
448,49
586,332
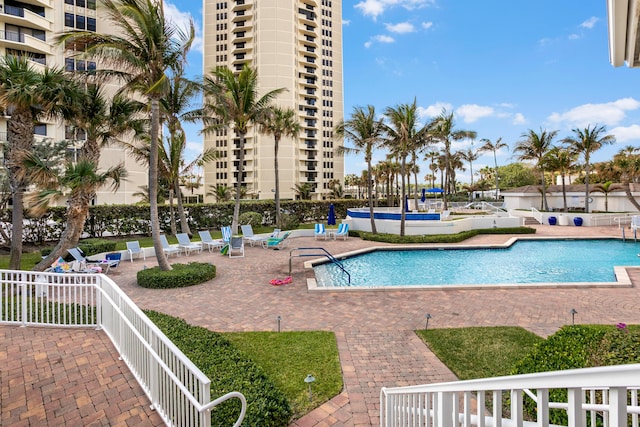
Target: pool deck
x,y
374,332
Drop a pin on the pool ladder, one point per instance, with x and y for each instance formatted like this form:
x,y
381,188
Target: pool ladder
x,y
635,235
324,253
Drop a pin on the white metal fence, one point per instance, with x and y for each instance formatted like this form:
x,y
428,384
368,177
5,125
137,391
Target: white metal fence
x,y
178,390
605,396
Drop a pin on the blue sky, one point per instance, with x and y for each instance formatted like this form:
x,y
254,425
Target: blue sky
x,y
502,67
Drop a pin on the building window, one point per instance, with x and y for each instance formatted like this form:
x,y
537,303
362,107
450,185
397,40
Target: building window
x,y
91,24
68,19
40,129
80,3
80,22
91,4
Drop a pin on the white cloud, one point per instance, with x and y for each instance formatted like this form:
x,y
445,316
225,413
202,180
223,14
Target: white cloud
x,y
574,36
380,39
590,23
433,110
400,28
472,112
346,22
368,44
609,113
626,134
182,20
518,119
195,146
427,25
375,8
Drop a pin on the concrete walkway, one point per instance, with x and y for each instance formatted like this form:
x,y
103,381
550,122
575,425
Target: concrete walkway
x,y
374,329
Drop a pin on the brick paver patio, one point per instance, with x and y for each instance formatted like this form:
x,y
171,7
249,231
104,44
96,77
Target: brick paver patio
x,y
374,329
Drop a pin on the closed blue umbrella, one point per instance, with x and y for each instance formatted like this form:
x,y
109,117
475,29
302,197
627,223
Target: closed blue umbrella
x,y
331,218
424,197
406,203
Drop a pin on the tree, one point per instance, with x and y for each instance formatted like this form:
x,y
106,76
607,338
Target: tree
x,y
142,50
366,133
403,136
222,193
561,160
627,162
516,175
494,147
232,100
606,188
279,122
535,146
443,130
103,122
586,142
27,96
303,190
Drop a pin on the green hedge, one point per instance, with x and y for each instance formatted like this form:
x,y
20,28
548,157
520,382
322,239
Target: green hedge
x,y
229,370
438,238
182,275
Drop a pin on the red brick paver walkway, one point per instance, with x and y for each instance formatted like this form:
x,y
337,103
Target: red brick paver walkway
x,y
374,329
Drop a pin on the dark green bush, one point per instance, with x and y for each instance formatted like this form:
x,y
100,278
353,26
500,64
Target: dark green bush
x,y
182,275
253,218
289,222
229,370
438,238
97,246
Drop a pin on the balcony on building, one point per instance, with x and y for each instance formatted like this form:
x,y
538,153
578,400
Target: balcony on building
x,y
23,17
311,144
241,4
24,42
243,16
240,36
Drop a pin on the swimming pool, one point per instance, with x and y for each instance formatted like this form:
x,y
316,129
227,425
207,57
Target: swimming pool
x,y
534,262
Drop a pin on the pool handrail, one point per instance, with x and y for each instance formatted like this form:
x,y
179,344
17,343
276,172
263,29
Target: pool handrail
x,y
325,253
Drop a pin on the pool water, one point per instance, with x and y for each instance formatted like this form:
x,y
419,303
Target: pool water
x,y
526,261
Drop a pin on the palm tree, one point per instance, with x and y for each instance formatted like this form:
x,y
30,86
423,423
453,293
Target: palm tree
x,y
470,156
303,190
403,136
27,95
366,133
232,100
561,160
606,188
586,142
144,49
627,162
443,130
222,193
279,122
535,146
102,122
494,147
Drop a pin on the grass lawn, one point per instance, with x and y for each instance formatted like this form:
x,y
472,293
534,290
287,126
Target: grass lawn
x,y
288,357
480,352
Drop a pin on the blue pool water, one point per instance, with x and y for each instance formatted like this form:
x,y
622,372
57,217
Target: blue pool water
x,y
528,261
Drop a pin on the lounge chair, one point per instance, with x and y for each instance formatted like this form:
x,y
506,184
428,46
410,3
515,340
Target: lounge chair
x,y
167,248
226,233
85,264
210,242
247,234
236,247
320,231
133,248
185,244
113,260
343,231
635,222
276,242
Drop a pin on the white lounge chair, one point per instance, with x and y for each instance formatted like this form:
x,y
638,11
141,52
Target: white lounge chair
x,y
236,247
85,264
133,248
186,245
247,234
276,242
343,231
320,231
635,222
210,242
167,248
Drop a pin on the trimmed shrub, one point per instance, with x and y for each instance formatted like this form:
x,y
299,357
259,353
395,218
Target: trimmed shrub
x,y
253,218
438,238
229,370
289,222
181,276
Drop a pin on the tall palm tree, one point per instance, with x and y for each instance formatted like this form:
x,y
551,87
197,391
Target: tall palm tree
x,y
470,155
606,188
585,142
443,130
103,122
627,162
494,147
403,136
27,96
366,133
561,160
535,146
279,122
232,100
142,51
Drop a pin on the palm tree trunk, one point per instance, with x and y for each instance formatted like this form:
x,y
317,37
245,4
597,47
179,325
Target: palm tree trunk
x,y
564,194
236,208
627,192
163,263
17,215
447,172
277,178
370,193
495,161
545,206
184,225
586,186
172,214
401,201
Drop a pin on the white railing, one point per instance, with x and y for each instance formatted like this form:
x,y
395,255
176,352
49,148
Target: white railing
x,y
537,215
606,396
177,389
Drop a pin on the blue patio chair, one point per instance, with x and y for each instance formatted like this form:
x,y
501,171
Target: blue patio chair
x,y
167,248
185,244
343,231
320,231
210,242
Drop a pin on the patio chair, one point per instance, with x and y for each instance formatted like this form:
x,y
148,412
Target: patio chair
x,y
635,222
276,242
167,248
320,231
226,233
247,234
85,264
236,247
186,245
210,242
343,231
113,260
133,248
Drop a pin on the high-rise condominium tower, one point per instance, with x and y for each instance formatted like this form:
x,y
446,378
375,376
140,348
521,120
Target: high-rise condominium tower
x,y
296,45
28,28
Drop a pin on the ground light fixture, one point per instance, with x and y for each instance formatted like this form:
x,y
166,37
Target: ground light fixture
x,y
427,316
310,379
278,319
573,313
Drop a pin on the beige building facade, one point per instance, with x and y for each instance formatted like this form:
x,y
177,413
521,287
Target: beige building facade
x,y
296,45
29,28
